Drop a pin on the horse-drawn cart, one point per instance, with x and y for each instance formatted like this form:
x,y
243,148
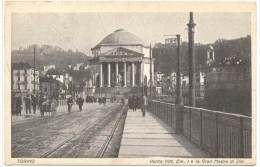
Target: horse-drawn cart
x,y
49,106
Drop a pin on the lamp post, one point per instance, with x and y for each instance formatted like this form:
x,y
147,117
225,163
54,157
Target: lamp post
x,y
34,50
192,75
151,80
179,100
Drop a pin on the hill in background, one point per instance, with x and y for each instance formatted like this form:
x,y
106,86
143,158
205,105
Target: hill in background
x,y
48,55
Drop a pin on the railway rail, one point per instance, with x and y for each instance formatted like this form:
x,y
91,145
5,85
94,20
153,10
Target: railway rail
x,y
89,130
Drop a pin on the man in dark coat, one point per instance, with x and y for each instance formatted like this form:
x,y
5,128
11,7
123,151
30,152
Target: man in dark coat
x,y
28,102
18,105
70,103
34,103
99,100
144,105
135,103
41,99
104,100
80,102
130,103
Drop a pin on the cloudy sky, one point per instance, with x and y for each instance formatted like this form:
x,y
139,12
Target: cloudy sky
x,y
84,31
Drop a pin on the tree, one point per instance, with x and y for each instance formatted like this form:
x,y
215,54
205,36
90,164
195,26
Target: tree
x,y
166,55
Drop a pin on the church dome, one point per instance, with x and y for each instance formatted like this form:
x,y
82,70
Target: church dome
x,y
121,37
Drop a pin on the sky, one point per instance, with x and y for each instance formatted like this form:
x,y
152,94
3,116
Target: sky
x,y
83,31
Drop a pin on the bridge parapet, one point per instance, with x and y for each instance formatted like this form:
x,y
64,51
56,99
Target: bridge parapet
x,y
222,134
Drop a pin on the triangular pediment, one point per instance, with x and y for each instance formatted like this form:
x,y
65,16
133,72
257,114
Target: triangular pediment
x,y
121,51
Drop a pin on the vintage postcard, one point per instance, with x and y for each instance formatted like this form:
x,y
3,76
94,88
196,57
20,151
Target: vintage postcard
x,y
130,83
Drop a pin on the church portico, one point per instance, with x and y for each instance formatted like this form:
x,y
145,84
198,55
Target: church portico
x,y
120,74
121,62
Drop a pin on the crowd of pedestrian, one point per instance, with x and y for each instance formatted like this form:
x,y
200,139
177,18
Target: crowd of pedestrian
x,y
135,102
102,100
32,102
49,104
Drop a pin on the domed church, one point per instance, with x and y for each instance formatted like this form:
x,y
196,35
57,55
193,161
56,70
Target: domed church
x,y
121,63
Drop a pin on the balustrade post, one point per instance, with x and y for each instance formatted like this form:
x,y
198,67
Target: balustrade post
x,y
168,114
241,138
178,120
156,109
190,121
159,110
164,113
171,115
201,142
216,131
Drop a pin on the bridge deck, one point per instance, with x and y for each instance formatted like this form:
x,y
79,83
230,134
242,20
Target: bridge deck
x,y
149,137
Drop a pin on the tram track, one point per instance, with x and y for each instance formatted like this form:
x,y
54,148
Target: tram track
x,y
34,140
40,122
85,135
42,126
109,138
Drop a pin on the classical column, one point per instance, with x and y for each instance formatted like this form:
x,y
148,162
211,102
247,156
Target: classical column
x,y
133,74
101,76
141,73
124,74
93,79
108,73
116,73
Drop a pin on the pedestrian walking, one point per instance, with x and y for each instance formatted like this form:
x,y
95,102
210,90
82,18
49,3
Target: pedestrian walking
x,y
40,101
99,101
54,105
104,100
13,98
80,102
123,100
18,105
34,103
130,103
28,102
44,105
144,105
135,103
70,103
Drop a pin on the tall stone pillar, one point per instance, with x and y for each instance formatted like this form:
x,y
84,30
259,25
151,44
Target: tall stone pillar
x,y
101,76
141,73
133,74
192,72
116,74
93,79
124,74
109,74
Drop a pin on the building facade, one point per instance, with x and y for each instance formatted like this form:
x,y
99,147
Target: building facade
x,y
49,87
23,79
121,60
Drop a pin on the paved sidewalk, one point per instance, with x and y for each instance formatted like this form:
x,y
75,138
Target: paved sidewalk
x,y
150,137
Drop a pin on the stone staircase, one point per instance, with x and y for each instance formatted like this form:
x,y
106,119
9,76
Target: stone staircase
x,y
111,91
